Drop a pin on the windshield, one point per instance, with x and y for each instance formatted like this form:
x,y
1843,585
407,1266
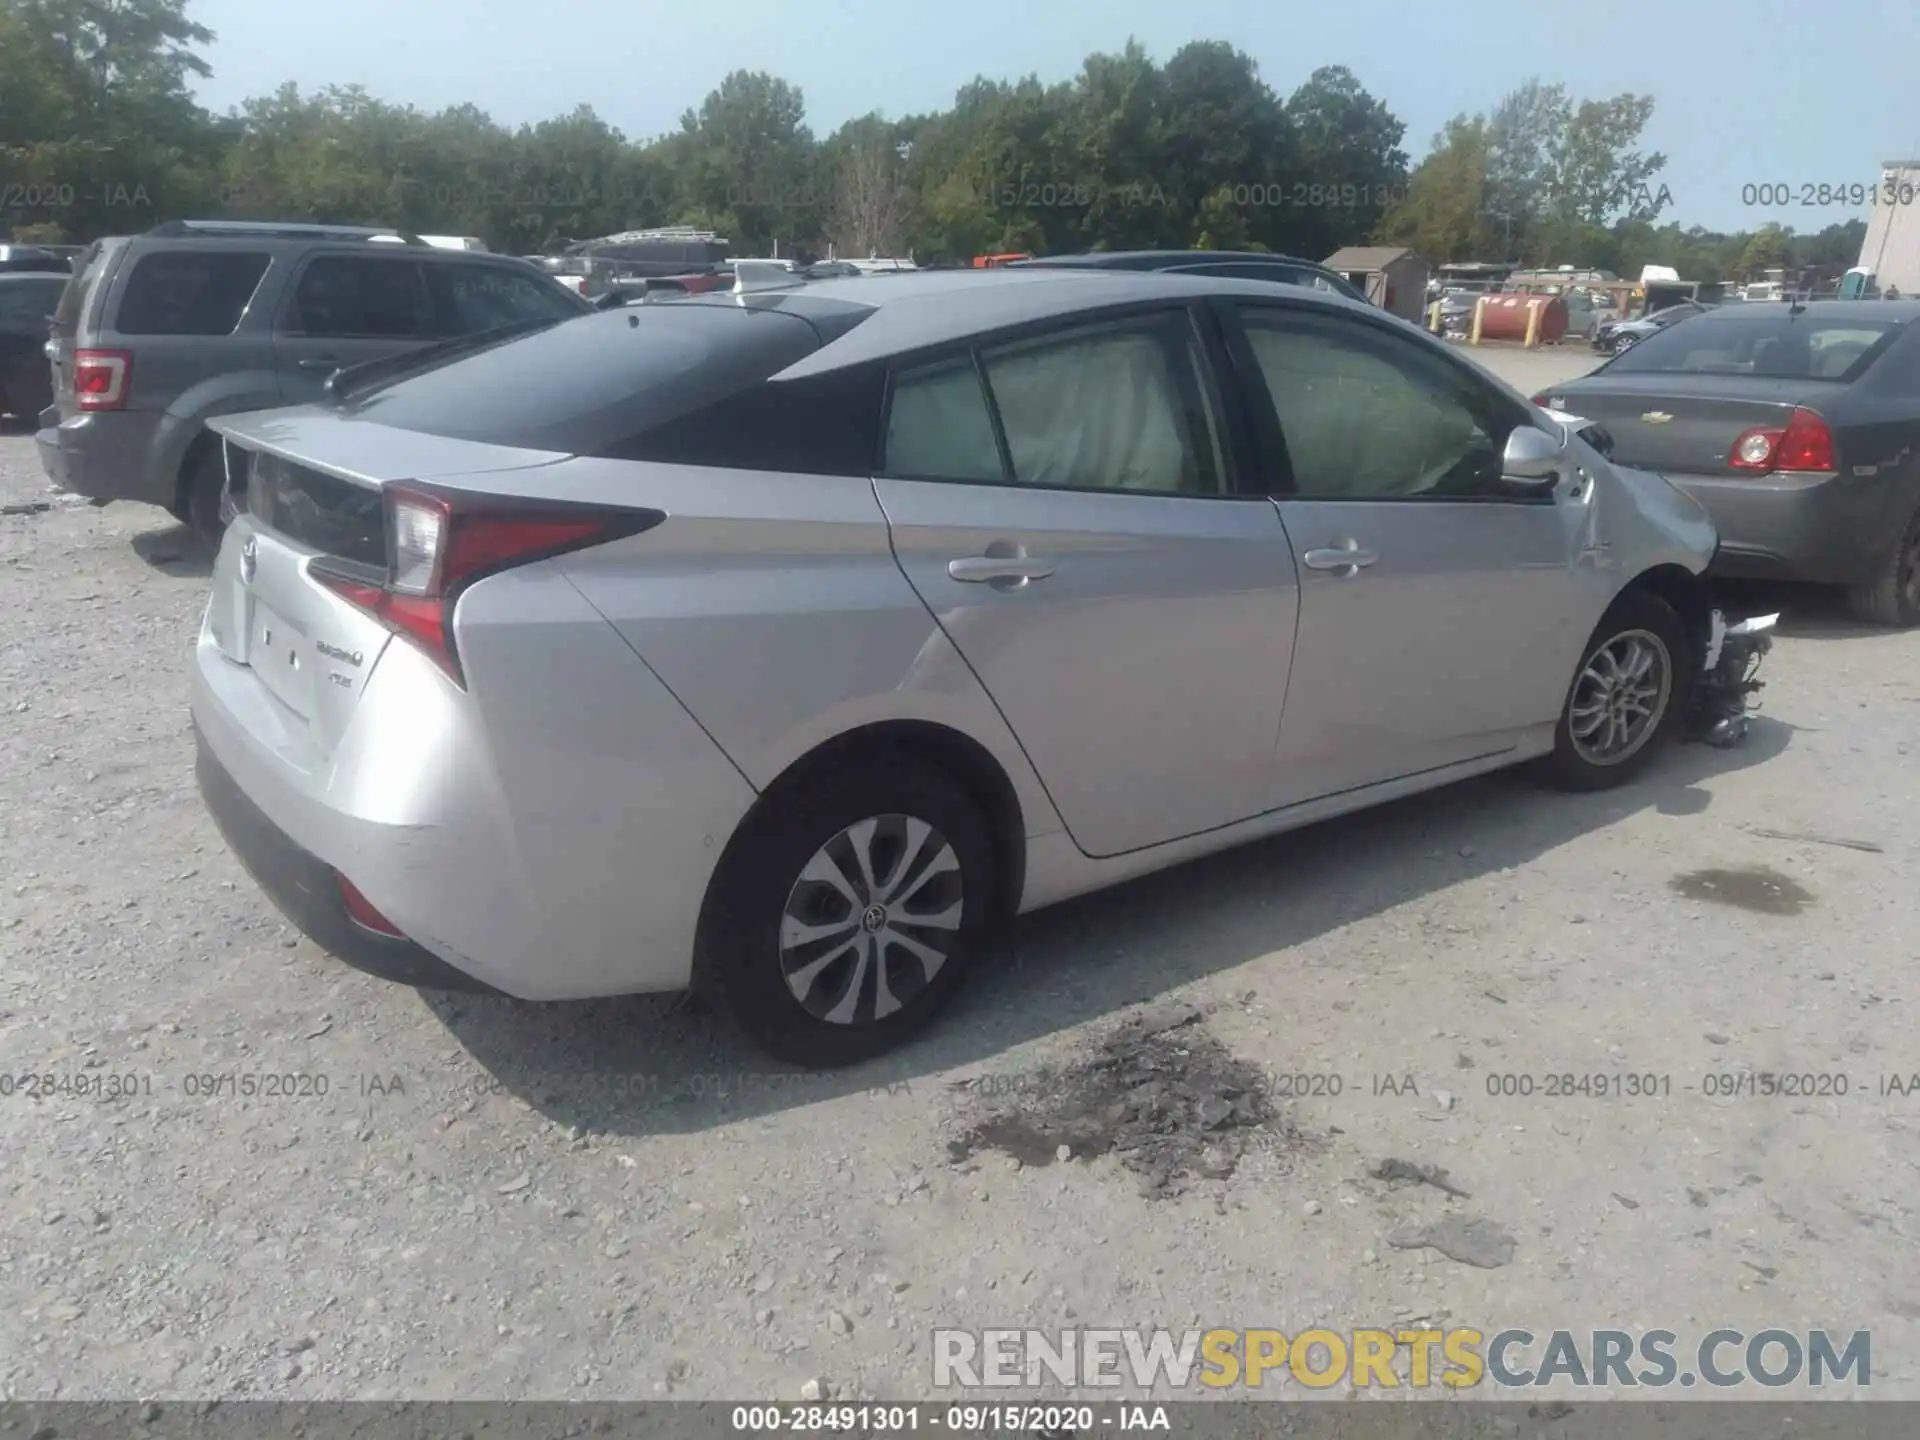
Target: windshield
x,y
1784,347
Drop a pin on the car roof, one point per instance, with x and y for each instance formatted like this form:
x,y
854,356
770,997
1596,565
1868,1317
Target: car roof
x,y
921,309
1161,259
1880,312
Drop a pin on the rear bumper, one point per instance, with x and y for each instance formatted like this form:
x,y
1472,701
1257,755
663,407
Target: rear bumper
x,y
1825,529
307,892
552,843
104,456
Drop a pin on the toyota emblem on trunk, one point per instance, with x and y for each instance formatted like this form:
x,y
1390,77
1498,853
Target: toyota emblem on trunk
x,y
249,559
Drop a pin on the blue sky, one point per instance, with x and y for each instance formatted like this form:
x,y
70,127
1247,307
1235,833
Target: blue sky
x,y
1778,92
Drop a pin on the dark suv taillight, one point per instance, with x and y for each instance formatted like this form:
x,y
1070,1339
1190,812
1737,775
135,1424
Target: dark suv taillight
x,y
440,542
101,378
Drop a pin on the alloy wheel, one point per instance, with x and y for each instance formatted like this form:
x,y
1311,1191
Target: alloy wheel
x,y
1620,698
872,918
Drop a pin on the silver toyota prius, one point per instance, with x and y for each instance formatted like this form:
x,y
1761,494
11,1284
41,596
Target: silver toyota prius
x,y
781,642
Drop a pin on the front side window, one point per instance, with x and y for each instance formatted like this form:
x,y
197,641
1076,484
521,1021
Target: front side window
x,y
1366,415
187,292
1119,406
484,297
346,297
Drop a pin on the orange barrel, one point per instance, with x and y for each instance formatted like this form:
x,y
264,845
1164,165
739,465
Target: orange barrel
x,y
1510,317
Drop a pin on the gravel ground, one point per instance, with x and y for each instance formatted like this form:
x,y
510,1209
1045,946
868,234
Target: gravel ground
x,y
484,1199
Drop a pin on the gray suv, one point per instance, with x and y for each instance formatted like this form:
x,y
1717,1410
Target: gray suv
x,y
155,334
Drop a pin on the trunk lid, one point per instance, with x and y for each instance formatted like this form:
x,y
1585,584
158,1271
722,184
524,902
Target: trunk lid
x,y
1685,424
308,484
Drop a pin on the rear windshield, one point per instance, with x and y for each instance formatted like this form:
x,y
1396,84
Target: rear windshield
x,y
189,292
29,297
1782,347
589,385
86,269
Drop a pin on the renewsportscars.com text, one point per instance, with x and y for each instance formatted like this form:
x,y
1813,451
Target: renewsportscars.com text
x,y
1458,1358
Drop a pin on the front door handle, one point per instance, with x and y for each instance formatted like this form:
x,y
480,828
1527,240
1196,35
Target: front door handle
x,y
1346,558
983,569
324,362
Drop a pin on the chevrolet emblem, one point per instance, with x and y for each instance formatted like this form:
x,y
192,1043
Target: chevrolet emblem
x,y
1656,417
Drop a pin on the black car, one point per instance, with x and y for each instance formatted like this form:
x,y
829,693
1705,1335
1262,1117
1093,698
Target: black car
x,y
1796,426
1614,336
1227,264
27,302
34,258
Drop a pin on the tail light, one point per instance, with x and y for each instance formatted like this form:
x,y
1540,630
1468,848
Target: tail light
x,y
1803,443
100,379
440,542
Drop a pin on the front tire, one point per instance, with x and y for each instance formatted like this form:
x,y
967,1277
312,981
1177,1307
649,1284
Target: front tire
x,y
844,917
1632,683
1892,597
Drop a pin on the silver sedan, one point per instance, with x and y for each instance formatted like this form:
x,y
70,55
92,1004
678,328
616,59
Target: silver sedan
x,y
781,642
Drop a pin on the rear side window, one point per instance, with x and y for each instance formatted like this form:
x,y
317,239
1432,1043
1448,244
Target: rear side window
x,y
939,426
189,292
347,297
482,297
1119,406
620,383
87,268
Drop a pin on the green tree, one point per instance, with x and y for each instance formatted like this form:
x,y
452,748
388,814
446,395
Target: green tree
x,y
1445,215
749,155
1347,148
1597,174
1769,248
1521,136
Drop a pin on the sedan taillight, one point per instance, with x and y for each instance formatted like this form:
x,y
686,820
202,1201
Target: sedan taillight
x,y
440,542
1804,443
100,379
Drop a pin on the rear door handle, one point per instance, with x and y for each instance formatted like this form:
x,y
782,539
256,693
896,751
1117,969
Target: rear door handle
x,y
324,362
1347,558
981,569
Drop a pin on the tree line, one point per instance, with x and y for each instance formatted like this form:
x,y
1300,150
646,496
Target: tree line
x,y
100,134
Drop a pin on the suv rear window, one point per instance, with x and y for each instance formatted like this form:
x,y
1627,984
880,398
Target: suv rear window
x,y
597,384
1783,347
189,292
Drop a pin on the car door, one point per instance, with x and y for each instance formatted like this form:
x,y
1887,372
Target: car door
x,y
1067,506
344,309
1439,614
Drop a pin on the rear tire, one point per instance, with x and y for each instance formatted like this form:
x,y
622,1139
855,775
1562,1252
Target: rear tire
x,y
198,507
1892,597
1633,682
818,966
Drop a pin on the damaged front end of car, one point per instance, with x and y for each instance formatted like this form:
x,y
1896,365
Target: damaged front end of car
x,y
1720,711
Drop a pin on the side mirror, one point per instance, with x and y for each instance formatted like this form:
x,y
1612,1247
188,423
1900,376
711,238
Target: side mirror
x,y
1532,457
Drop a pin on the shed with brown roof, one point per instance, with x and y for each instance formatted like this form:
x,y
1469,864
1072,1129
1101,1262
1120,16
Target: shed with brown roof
x,y
1393,277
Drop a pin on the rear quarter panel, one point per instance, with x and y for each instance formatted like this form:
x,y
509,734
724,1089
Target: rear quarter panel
x,y
773,607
